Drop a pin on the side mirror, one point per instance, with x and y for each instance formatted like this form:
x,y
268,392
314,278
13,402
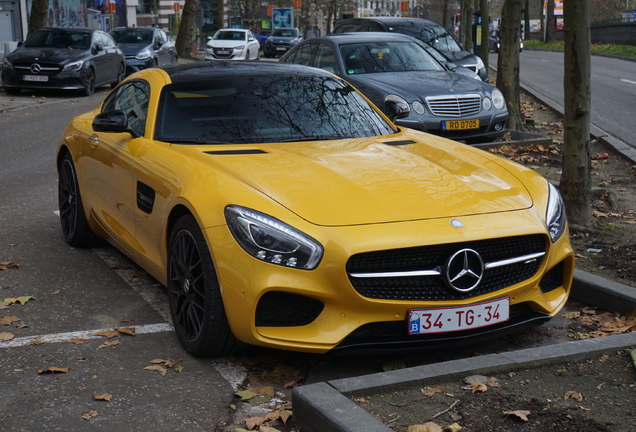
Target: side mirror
x,y
451,66
98,47
209,38
112,121
398,107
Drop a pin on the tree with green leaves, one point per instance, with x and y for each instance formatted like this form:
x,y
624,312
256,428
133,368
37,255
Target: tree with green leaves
x,y
576,180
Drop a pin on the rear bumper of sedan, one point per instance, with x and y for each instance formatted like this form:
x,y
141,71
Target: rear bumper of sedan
x,y
326,309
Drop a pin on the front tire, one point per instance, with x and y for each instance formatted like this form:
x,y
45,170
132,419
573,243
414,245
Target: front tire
x,y
77,232
89,83
195,299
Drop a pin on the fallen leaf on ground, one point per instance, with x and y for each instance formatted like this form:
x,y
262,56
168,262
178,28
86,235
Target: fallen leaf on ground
x,y
253,422
493,382
523,415
8,320
108,344
78,341
478,387
55,292
430,392
161,369
130,331
108,333
105,396
53,370
426,427
453,428
264,390
4,336
267,429
88,414
574,395
22,300
281,414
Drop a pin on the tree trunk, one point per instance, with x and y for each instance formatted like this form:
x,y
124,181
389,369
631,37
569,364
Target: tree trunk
x,y
39,11
526,20
549,21
576,178
184,37
467,26
508,61
485,30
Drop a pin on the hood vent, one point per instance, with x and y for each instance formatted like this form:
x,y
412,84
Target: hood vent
x,y
236,152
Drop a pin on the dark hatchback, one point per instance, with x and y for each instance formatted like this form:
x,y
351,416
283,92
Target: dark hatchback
x,y
280,41
145,47
64,58
408,84
429,32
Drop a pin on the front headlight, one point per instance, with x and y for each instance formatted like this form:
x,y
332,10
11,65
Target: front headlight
x,y
144,55
271,240
75,66
487,104
239,48
398,104
498,99
480,63
555,214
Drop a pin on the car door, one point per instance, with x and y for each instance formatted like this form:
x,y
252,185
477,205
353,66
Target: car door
x,y
107,163
113,55
159,46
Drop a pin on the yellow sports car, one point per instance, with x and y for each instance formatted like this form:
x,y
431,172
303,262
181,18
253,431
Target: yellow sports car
x,y
280,208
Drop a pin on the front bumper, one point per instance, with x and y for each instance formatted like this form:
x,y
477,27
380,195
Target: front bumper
x,y
225,54
69,80
491,126
321,310
134,65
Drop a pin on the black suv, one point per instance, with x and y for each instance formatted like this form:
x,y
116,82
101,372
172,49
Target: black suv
x,y
425,30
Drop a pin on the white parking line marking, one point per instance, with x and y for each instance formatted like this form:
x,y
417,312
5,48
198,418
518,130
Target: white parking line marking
x,y
83,334
628,81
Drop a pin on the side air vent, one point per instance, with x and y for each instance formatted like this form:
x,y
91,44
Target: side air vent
x,y
236,152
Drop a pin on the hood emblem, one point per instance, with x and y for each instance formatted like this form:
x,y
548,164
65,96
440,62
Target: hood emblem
x,y
464,270
36,68
456,223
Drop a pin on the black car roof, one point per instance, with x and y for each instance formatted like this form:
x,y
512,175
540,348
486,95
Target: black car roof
x,y
202,71
391,20
70,29
360,37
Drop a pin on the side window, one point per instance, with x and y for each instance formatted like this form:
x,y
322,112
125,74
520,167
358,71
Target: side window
x,y
107,39
325,58
132,98
161,36
303,56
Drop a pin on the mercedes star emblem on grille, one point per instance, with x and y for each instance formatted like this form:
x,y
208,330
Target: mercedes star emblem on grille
x,y
464,270
36,68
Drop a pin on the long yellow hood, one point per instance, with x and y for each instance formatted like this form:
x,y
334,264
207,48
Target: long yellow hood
x,y
337,183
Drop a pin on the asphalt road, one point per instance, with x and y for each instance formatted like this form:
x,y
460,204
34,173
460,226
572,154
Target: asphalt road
x,y
613,84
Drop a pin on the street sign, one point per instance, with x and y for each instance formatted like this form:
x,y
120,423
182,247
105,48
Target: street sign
x,y
283,17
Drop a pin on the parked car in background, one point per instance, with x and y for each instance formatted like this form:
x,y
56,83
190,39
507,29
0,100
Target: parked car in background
x,y
263,35
64,58
145,47
494,41
280,41
281,209
232,44
425,30
398,75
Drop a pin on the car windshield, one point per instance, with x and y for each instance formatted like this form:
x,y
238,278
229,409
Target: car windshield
x,y
143,37
59,39
229,35
285,32
374,57
434,35
265,110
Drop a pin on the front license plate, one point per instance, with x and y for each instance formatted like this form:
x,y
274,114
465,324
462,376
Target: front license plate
x,y
457,318
224,52
281,49
460,124
41,78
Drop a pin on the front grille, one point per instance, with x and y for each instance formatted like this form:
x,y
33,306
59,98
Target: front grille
x,y
553,278
434,287
454,106
281,309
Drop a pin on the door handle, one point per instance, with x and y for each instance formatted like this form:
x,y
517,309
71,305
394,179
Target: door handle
x,y
93,141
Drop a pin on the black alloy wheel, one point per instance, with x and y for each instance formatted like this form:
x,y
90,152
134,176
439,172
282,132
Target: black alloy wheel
x,y
75,227
89,83
195,299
